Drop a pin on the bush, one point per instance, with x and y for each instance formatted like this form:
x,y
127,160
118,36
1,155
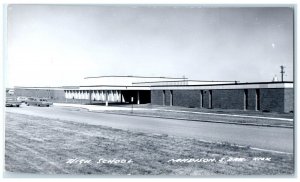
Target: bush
x,y
265,110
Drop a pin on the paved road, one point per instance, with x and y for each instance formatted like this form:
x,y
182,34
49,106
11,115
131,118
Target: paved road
x,y
270,138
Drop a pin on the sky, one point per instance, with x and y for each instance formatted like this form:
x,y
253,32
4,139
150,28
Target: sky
x,y
59,45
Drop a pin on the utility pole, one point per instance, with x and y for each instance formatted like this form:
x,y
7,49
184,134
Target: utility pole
x,y
282,72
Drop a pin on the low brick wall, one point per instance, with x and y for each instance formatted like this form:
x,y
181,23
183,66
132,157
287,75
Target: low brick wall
x,y
288,100
270,99
267,99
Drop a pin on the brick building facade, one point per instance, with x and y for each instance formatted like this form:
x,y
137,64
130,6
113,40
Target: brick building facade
x,y
263,96
274,96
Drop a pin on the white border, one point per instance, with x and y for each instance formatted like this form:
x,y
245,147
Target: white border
x,y
219,2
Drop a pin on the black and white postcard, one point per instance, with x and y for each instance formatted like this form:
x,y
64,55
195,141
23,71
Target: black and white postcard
x,y
149,90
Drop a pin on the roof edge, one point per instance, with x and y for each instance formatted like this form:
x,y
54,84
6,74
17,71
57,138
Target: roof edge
x,y
131,76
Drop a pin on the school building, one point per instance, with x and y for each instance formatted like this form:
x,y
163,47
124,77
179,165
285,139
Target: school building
x,y
106,90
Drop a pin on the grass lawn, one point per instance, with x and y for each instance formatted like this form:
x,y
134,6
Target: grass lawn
x,y
44,146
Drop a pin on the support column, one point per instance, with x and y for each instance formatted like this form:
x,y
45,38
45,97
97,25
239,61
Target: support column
x,y
102,96
97,95
201,98
111,95
80,95
106,98
90,96
73,96
171,98
86,97
121,96
116,96
138,97
164,97
93,95
66,95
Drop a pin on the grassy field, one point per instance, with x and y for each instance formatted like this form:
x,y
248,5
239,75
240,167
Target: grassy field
x,y
42,145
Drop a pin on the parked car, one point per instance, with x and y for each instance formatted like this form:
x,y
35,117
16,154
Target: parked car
x,y
12,101
29,99
38,102
22,99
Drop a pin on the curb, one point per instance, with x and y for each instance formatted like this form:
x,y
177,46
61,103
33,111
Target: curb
x,y
204,121
185,119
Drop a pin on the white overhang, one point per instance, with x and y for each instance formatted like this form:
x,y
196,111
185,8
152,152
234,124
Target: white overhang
x,y
237,86
113,88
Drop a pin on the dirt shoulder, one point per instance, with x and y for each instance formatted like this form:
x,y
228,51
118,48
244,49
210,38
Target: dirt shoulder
x,y
44,146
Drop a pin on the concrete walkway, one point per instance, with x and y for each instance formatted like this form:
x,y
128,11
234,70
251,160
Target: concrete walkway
x,y
115,108
97,107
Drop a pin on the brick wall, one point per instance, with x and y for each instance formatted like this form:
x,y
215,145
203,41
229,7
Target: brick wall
x,y
288,100
251,99
186,98
228,99
270,99
157,97
59,95
205,98
167,97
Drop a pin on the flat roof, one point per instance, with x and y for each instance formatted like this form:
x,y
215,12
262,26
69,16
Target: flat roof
x,y
236,83
245,85
131,76
183,80
252,85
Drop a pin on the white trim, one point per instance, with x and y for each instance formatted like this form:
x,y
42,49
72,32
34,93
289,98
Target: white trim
x,y
112,88
219,87
196,87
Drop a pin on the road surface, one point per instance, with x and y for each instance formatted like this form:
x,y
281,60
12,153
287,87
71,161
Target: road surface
x,y
269,138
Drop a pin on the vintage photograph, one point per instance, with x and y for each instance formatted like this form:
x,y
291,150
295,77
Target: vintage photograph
x,y
149,90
